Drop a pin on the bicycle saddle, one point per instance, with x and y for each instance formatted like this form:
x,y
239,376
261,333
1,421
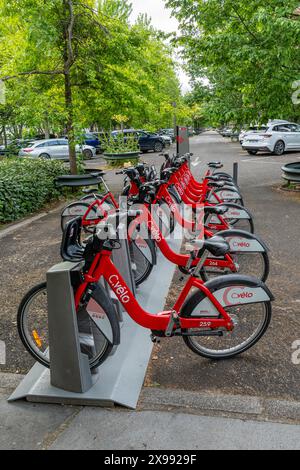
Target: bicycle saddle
x,y
215,210
217,246
169,171
217,178
71,249
90,190
215,165
217,184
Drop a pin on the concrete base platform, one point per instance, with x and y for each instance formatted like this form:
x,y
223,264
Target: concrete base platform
x,y
121,377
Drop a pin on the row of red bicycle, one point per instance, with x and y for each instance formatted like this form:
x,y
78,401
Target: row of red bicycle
x,y
223,309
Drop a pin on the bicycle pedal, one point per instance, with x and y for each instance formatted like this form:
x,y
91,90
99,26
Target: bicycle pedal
x,y
155,339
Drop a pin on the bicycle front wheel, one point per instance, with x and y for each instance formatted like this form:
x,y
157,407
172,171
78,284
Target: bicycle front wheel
x,y
250,264
143,258
32,323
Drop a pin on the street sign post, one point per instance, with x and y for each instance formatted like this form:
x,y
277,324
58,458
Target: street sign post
x,y
183,140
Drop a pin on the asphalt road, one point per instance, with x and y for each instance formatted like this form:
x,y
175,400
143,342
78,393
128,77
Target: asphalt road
x,y
267,369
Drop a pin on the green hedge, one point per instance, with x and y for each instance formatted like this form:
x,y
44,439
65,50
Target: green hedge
x,y
26,185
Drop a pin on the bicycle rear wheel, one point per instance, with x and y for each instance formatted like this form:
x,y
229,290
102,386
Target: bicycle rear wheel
x,y
251,323
249,264
32,323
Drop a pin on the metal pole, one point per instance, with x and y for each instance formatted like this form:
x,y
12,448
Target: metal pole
x,y
235,172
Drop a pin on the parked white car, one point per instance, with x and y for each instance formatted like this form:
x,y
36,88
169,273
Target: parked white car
x,y
55,149
279,137
252,130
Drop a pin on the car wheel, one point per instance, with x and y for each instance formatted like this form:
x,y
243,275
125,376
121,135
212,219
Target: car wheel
x,y
87,154
252,152
144,151
158,147
45,156
279,148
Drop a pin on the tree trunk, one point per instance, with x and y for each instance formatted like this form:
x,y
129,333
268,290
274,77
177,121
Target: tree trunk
x,y
70,124
68,62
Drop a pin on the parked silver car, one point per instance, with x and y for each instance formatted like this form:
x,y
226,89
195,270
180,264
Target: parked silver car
x,y
280,136
56,149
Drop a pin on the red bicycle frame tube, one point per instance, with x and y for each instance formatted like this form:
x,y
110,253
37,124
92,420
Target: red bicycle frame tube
x,y
103,267
134,190
175,258
163,194
97,204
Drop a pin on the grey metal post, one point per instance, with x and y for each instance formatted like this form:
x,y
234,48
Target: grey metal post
x,y
235,172
70,368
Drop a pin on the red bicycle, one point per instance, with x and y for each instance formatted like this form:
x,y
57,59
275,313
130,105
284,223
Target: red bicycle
x,y
248,254
96,205
217,320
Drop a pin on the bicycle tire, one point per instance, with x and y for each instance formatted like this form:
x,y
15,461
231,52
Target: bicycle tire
x,y
76,209
197,297
263,277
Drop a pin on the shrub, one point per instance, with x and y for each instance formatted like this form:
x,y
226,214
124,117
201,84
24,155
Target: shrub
x,y
26,185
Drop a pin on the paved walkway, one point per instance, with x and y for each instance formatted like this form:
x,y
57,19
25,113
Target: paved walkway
x,y
165,420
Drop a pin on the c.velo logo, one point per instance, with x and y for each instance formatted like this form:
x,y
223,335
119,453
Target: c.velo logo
x,y
239,243
234,294
119,289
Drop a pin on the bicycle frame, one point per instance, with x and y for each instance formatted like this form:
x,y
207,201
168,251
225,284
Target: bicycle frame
x,y
164,195
97,204
102,266
147,219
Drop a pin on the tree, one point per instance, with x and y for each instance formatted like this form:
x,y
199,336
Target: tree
x,y
55,44
247,51
81,63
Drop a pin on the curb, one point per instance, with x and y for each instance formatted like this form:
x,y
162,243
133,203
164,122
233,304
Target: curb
x,y
234,406
207,404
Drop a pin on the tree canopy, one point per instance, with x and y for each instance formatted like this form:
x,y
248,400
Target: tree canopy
x,y
70,65
243,57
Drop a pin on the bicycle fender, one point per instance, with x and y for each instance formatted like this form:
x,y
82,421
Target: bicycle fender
x,y
175,194
225,194
234,290
104,316
241,241
235,211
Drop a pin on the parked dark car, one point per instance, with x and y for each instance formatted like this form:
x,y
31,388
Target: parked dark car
x,y
147,141
169,132
102,138
91,139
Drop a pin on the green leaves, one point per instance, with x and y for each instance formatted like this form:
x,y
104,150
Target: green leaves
x,y
248,51
119,68
26,186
